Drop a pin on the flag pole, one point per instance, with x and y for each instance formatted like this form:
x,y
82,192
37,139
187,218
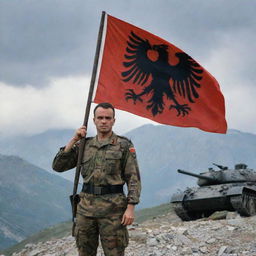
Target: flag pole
x,y
86,117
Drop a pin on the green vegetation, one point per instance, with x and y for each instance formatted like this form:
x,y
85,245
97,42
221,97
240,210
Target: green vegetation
x,y
150,213
64,228
56,231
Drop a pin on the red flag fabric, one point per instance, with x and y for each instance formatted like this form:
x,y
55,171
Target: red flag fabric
x,y
145,75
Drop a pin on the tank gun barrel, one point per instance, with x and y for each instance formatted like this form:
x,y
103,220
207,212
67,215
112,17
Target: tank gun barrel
x,y
196,175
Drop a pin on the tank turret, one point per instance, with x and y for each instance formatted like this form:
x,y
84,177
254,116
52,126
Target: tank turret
x,y
204,179
223,176
223,189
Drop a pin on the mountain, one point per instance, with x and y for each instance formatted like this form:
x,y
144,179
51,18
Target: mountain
x,y
30,199
161,150
38,149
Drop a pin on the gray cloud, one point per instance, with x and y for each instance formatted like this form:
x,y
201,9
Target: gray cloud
x,y
55,38
43,39
47,49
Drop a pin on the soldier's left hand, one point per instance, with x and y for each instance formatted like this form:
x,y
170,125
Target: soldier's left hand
x,y
128,216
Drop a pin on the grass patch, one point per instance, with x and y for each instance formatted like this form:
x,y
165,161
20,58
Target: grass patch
x,y
149,213
56,231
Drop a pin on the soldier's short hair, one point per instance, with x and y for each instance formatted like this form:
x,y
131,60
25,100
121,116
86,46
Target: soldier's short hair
x,y
105,105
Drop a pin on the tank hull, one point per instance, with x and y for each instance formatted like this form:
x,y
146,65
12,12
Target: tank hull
x,y
199,202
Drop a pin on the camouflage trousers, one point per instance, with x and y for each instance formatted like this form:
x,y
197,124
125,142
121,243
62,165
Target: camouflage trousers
x,y
113,235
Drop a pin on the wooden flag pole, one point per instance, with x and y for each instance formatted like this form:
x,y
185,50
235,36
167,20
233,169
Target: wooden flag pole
x,y
86,117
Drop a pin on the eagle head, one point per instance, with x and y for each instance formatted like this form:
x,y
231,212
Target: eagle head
x,y
162,51
160,47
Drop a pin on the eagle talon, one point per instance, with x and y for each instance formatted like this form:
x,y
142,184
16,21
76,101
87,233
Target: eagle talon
x,y
181,109
132,95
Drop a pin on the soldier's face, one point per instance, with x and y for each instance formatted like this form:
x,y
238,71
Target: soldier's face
x,y
104,120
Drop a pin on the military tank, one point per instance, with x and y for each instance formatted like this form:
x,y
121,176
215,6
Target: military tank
x,y
218,190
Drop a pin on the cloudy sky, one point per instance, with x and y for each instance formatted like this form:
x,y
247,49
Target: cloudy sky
x,y
47,49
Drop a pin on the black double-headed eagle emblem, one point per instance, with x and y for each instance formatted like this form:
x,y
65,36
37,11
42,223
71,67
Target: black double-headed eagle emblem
x,y
167,80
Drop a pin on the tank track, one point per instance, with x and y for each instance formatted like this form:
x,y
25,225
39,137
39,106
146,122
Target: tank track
x,y
245,204
181,211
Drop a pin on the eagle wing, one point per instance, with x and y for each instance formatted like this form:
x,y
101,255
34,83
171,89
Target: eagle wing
x,y
186,76
139,66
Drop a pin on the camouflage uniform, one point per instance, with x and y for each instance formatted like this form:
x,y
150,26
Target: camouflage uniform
x,y
112,162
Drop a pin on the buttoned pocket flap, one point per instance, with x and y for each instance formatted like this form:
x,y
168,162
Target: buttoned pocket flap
x,y
113,154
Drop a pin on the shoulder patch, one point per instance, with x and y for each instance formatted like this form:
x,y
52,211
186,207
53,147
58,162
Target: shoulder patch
x,y
132,150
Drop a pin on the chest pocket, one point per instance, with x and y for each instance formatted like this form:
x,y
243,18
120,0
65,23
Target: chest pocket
x,y
113,162
87,165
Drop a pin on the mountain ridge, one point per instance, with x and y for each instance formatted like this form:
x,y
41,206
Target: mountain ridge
x,y
31,199
161,150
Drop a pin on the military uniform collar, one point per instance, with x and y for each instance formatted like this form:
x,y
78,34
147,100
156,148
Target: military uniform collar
x,y
112,140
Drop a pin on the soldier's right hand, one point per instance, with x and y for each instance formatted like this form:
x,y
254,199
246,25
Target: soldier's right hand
x,y
80,133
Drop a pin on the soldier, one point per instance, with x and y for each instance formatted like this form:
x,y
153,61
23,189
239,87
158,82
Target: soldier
x,y
109,162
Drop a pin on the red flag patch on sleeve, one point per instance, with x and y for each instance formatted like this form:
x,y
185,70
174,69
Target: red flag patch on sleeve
x,y
132,150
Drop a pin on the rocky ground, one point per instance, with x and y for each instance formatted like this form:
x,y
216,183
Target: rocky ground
x,y
224,234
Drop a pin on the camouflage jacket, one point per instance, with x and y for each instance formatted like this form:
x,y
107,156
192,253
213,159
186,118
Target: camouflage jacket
x,y
112,162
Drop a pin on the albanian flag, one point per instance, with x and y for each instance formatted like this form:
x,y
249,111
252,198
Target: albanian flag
x,y
145,75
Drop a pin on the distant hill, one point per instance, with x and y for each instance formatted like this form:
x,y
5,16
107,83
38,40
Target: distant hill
x,y
30,199
161,150
38,149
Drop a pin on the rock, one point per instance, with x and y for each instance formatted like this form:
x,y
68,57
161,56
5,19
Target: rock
x,y
203,249
138,236
230,228
231,215
34,252
219,215
222,250
27,246
184,240
162,237
174,248
152,242
235,222
211,241
181,230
